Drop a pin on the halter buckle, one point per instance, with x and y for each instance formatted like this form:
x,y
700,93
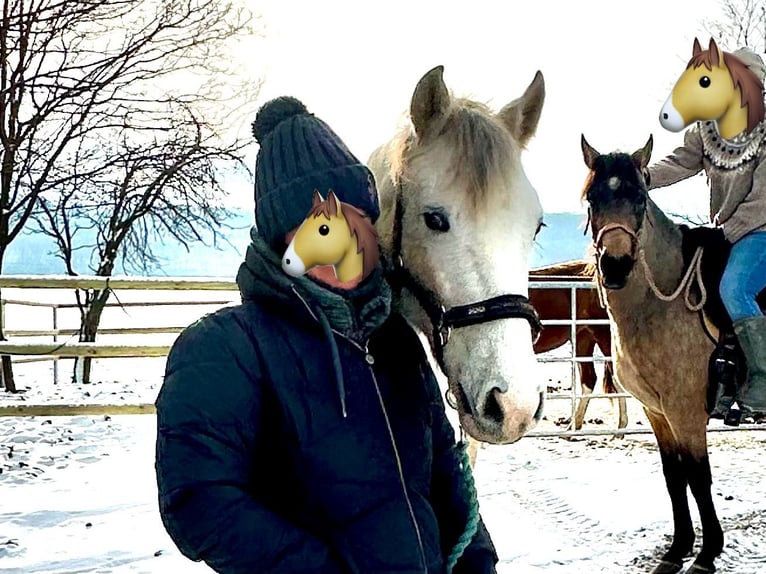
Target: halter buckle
x,y
444,335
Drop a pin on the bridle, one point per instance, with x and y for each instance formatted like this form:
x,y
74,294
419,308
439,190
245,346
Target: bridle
x,y
691,274
634,243
443,320
598,247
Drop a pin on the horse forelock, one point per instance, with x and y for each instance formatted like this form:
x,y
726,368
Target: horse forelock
x,y
743,78
614,176
483,152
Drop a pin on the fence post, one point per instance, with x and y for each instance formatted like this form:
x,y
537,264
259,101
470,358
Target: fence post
x,y
55,340
573,365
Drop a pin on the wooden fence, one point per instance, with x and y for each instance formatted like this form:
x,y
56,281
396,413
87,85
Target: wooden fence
x,y
23,350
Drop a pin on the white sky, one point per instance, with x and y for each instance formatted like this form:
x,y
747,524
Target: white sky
x,y
608,67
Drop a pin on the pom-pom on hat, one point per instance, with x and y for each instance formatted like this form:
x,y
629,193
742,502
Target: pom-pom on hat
x,y
298,154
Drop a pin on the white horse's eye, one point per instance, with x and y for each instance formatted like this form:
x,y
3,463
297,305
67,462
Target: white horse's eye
x,y
705,82
324,230
436,221
539,227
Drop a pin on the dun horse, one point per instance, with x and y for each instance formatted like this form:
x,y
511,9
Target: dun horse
x,y
458,222
661,348
556,304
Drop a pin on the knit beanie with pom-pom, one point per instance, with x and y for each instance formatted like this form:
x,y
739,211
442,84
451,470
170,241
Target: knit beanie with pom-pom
x,y
298,154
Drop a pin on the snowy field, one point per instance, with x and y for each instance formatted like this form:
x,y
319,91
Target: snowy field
x,y
78,493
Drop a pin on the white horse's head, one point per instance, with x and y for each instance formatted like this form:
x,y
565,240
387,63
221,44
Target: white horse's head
x,y
458,209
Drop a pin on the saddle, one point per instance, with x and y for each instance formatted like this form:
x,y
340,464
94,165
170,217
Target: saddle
x,y
727,367
714,259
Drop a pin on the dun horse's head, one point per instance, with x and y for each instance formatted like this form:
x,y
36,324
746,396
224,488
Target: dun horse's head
x,y
459,216
617,197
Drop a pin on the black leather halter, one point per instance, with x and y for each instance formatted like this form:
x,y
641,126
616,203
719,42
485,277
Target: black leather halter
x,y
444,320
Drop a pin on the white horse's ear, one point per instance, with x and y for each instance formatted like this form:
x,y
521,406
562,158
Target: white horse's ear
x,y
641,157
317,198
696,48
430,102
522,115
588,153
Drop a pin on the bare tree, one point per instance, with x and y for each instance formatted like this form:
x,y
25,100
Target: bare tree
x,y
116,116
742,23
692,220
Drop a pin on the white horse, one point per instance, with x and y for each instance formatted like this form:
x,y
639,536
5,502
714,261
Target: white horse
x,y
458,223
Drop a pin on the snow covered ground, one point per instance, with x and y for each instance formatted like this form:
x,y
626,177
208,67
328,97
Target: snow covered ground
x,y
77,494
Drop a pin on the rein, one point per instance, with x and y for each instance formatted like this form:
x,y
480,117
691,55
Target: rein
x,y
443,320
693,272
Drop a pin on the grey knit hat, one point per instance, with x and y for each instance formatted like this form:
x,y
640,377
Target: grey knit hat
x,y
298,154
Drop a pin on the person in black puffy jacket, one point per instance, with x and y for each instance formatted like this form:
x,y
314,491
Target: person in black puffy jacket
x,y
303,430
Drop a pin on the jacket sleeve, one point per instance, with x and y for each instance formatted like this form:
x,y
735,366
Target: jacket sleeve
x,y
449,501
684,162
208,413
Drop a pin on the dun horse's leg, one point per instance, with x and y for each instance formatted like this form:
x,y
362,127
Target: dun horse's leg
x,y
675,471
585,346
697,465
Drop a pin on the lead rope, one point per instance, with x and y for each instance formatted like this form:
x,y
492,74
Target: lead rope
x,y
468,491
694,272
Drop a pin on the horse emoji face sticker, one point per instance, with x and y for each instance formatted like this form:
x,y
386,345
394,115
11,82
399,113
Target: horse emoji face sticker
x,y
715,86
333,233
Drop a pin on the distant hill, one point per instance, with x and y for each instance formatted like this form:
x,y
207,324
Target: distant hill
x,y
34,254
562,239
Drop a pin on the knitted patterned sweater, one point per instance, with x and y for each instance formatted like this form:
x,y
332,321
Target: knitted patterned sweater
x,y
736,172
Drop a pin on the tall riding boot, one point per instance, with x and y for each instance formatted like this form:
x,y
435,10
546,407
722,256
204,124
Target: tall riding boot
x,y
751,333
723,367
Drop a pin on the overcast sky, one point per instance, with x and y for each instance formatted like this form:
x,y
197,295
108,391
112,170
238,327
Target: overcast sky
x,y
608,67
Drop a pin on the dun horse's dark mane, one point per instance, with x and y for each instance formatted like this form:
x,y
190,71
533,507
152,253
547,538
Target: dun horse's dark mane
x,y
359,225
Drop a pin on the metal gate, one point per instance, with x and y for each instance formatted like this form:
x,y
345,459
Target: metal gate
x,y
638,425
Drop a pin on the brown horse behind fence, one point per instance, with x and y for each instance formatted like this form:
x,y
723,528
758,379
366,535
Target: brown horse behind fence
x,y
556,304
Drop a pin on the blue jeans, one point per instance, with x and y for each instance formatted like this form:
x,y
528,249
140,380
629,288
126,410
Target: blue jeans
x,y
745,276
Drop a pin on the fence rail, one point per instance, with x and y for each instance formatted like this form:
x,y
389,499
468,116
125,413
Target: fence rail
x,y
24,351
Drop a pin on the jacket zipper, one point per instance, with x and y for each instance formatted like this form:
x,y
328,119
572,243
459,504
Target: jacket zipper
x,y
370,362
369,359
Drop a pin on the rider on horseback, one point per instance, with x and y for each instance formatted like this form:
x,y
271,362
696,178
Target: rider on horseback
x,y
727,141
